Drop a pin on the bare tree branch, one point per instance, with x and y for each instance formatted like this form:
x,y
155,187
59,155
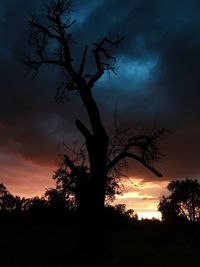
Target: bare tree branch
x,y
133,156
43,29
101,66
143,148
83,61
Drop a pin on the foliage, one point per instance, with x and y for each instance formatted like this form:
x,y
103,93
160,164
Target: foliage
x,y
73,188
183,202
10,204
59,201
7,201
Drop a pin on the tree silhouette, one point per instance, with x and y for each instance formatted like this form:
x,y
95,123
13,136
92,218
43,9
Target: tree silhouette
x,y
7,200
184,200
169,210
73,187
58,200
52,45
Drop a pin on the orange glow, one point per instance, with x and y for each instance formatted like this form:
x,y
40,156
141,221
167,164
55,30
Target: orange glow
x,y
149,215
27,179
143,197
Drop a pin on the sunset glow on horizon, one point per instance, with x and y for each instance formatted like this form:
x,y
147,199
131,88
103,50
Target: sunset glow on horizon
x,y
149,215
143,197
30,180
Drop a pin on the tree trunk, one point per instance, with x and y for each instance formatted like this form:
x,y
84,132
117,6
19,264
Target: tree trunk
x,y
92,221
97,146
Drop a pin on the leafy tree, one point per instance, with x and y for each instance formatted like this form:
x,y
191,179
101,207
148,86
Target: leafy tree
x,y
57,201
7,201
74,188
36,205
121,208
183,202
118,215
168,209
52,45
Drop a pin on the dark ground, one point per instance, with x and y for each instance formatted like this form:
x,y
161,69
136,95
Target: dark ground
x,y
57,243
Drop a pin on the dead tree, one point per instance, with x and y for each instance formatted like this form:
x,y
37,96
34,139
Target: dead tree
x,y
52,46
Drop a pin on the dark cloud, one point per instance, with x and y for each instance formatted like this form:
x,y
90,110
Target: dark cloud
x,y
157,84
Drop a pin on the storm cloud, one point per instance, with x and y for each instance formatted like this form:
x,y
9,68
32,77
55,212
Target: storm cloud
x,y
157,83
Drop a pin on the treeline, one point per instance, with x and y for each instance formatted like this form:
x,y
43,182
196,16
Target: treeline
x,y
53,205
181,205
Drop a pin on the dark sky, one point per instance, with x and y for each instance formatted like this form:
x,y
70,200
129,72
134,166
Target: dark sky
x,y
158,84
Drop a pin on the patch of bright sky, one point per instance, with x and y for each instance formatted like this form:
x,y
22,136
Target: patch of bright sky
x,y
85,10
140,70
143,196
129,195
135,72
141,184
149,215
